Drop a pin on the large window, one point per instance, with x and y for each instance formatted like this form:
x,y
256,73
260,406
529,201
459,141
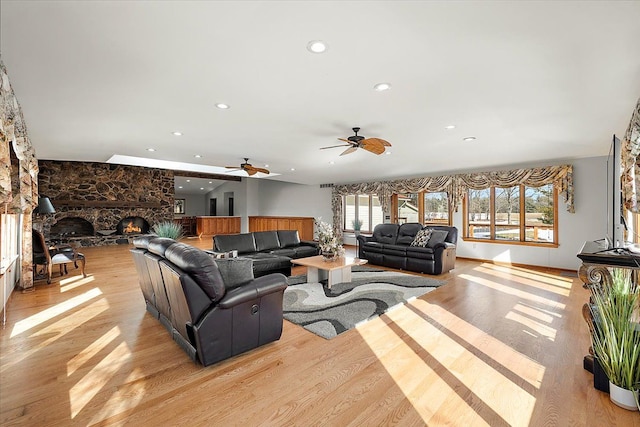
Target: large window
x,y
365,207
436,209
514,214
425,208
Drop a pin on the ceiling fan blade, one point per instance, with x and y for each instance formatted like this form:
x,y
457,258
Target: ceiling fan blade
x,y
349,150
262,170
250,170
345,140
381,141
335,146
372,145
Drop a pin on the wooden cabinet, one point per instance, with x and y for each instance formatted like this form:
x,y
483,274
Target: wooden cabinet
x,y
213,225
188,224
303,224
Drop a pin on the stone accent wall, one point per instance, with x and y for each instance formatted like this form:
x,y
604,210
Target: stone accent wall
x,y
103,194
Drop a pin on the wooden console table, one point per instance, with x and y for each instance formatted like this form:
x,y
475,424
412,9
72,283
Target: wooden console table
x,y
597,260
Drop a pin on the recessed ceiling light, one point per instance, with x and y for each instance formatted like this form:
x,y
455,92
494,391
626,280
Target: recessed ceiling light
x,y
197,156
450,127
222,106
469,138
201,188
151,149
317,46
387,153
266,166
293,169
180,186
332,162
210,182
382,86
176,133
188,180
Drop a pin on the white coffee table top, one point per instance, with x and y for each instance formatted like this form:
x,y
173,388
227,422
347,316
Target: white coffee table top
x,y
319,262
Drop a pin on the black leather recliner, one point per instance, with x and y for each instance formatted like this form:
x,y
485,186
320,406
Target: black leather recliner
x,y
271,251
209,317
390,246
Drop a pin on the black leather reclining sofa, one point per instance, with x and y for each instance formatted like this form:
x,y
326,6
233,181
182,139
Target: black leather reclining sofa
x,y
390,246
213,309
271,251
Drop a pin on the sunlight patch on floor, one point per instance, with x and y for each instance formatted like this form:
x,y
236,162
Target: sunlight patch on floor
x,y
467,353
57,310
509,290
74,282
81,393
57,330
123,398
94,348
542,330
559,287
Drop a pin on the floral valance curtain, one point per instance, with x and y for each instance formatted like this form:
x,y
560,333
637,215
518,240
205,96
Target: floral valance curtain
x,y
456,186
629,162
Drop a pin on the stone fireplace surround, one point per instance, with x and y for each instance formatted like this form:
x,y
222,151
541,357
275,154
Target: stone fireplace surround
x,y
103,195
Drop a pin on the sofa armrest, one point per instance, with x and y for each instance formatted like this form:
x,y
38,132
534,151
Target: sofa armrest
x,y
254,289
362,239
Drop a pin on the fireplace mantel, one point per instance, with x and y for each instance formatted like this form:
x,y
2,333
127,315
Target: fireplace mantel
x,y
105,204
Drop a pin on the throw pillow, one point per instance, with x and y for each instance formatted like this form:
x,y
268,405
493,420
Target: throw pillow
x,y
437,236
422,238
235,271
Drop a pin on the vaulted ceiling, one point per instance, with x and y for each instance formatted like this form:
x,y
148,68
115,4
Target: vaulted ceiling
x,y
533,82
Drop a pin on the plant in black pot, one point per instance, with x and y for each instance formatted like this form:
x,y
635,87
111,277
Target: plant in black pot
x,y
616,335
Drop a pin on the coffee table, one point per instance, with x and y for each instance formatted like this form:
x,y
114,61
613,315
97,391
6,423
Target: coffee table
x,y
336,271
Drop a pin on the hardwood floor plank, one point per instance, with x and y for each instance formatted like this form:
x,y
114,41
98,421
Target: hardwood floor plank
x,y
497,345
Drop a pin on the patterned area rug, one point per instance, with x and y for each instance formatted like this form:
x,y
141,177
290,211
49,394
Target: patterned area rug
x,y
330,312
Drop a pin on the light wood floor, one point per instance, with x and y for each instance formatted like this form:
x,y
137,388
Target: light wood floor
x,y
495,346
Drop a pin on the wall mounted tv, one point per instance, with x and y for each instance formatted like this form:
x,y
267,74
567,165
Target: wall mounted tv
x,y
615,221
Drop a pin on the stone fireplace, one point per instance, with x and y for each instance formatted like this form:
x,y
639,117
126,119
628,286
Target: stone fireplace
x,y
95,202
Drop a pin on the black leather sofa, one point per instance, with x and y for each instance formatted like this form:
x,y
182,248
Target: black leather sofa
x,y
271,251
390,246
213,309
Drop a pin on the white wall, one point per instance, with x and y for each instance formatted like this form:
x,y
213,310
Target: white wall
x,y
287,199
195,204
589,222
239,190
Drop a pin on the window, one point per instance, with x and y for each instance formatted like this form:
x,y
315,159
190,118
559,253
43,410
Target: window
x,y
514,214
365,207
436,209
8,238
408,208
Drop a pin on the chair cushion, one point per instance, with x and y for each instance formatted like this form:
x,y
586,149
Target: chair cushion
x,y
288,238
200,266
407,232
422,238
235,271
243,243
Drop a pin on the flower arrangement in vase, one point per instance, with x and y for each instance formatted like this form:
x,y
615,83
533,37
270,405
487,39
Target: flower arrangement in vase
x,y
330,246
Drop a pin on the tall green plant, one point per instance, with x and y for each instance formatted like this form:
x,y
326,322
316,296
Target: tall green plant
x,y
616,338
168,229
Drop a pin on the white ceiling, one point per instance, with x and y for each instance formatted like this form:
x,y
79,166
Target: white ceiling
x,y
534,82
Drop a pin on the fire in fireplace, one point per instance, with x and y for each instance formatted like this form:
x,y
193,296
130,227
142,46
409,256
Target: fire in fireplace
x,y
132,225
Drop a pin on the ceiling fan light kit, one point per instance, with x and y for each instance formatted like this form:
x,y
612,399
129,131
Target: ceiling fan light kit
x,y
372,145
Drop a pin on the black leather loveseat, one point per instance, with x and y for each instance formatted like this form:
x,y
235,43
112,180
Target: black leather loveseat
x,y
213,309
390,246
271,251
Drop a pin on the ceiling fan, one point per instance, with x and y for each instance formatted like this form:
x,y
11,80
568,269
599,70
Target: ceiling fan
x,y
248,168
373,145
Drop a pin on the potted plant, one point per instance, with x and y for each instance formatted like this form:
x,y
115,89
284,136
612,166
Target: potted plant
x,y
616,335
357,225
168,229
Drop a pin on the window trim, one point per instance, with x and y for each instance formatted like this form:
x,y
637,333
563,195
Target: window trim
x,y
522,222
357,206
394,208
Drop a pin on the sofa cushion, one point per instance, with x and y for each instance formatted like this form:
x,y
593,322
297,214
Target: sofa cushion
x,y
142,242
373,247
386,233
395,250
437,236
235,271
200,266
289,252
305,251
419,252
266,240
159,245
288,238
422,238
407,232
243,243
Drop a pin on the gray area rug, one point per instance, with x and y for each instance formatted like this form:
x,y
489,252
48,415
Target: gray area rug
x,y
372,292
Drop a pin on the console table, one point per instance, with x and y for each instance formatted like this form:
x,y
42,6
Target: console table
x,y
597,259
